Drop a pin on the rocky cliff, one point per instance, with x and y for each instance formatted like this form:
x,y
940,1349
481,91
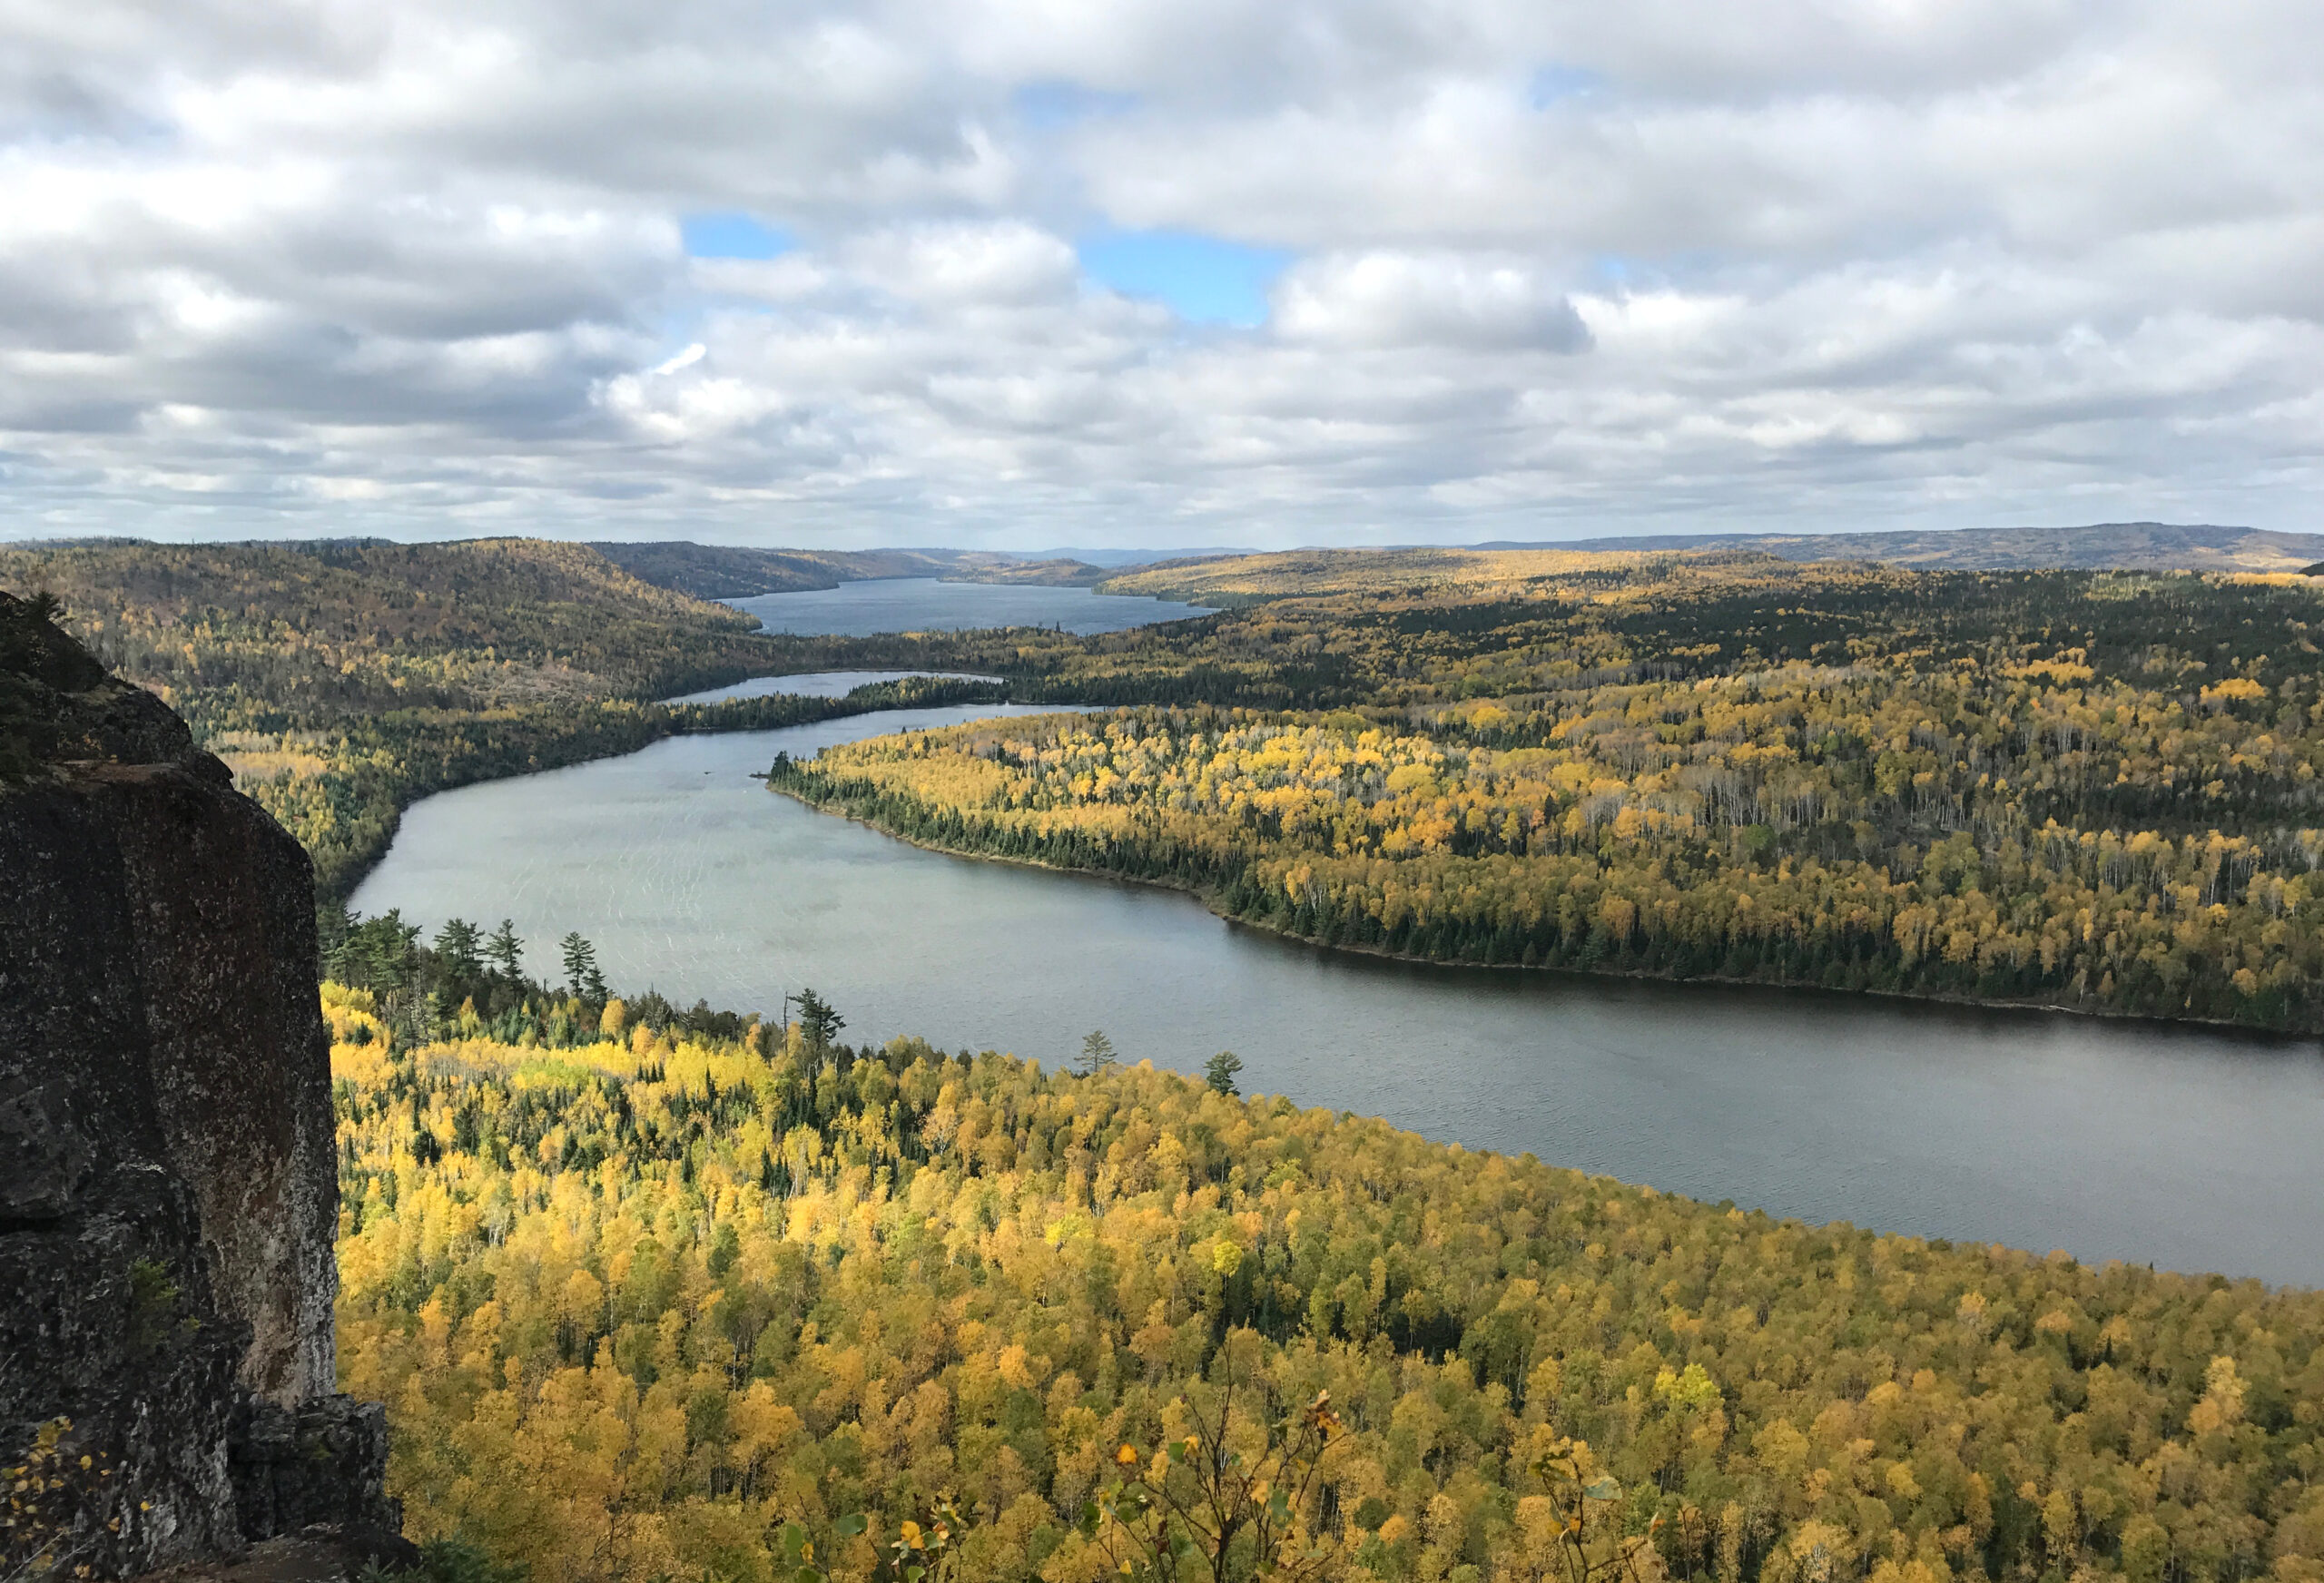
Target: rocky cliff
x,y
168,1190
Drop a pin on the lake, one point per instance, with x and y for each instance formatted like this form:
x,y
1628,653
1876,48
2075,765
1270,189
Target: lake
x,y
2183,1148
815,684
926,604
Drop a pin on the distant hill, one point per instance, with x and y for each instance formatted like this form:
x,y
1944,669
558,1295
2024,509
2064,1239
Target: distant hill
x,y
1119,557
340,680
1434,572
2143,545
738,572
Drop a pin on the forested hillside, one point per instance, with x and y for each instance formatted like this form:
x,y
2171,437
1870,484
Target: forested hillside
x,y
2110,545
342,681
738,572
648,1304
2094,789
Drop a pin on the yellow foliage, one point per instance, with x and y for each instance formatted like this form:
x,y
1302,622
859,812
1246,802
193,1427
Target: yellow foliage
x,y
629,1316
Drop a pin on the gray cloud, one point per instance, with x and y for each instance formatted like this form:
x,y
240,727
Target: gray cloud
x,y
1553,267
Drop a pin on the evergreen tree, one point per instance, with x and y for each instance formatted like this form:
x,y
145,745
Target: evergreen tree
x,y
456,943
333,927
581,966
504,949
1098,1054
818,1023
1220,1069
380,953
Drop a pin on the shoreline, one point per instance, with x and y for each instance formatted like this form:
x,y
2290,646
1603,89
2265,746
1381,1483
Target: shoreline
x,y
2208,1026
676,718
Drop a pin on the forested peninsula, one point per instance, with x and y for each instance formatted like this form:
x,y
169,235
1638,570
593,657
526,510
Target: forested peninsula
x,y
2096,790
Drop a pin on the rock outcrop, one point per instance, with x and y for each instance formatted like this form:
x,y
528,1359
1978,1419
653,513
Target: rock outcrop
x,y
168,1186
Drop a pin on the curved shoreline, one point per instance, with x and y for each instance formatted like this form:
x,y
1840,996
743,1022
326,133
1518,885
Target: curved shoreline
x,y
2208,1026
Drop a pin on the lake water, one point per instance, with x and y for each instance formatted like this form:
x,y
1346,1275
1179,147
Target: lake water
x,y
2185,1149
925,604
815,684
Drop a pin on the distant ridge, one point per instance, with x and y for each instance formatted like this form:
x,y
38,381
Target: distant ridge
x,y
740,572
1112,557
2132,545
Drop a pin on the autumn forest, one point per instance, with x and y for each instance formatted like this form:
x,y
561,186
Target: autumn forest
x,y
2086,790
645,1301
668,1294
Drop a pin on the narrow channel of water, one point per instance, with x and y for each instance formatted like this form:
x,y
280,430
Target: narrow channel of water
x,y
815,684
2186,1149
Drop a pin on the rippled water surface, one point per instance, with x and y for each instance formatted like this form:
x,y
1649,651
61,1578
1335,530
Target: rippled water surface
x,y
2184,1149
925,604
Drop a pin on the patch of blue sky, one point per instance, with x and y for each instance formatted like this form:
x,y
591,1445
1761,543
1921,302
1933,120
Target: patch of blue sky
x,y
1047,105
1204,280
1551,84
731,235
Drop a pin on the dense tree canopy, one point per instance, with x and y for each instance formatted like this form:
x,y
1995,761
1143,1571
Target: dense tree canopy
x,y
2092,789
638,1299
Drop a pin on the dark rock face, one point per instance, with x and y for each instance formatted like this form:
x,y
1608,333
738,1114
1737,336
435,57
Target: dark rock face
x,y
318,1466
168,1190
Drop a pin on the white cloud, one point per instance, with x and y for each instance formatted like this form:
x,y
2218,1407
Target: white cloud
x,y
1381,299
325,267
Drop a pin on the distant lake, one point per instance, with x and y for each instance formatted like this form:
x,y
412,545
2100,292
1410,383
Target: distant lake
x,y
816,684
2184,1148
926,604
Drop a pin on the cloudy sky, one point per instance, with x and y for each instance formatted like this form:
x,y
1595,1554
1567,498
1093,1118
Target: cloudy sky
x,y
1157,273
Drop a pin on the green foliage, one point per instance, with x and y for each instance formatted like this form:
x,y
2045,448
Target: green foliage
x,y
581,974
415,993
458,943
152,1304
451,1558
819,1021
927,693
506,950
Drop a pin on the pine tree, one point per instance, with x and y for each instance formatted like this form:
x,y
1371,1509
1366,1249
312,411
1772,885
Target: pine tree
x,y
818,1023
457,942
581,966
1220,1069
1098,1054
333,929
504,949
